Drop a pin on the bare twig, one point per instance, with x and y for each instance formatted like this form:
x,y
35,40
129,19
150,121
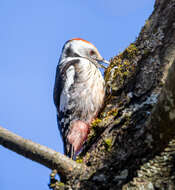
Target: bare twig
x,y
41,154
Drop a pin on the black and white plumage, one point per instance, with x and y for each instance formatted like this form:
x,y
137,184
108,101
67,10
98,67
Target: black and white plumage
x,y
78,92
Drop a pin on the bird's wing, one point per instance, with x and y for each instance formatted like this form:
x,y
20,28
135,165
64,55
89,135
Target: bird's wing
x,y
64,79
58,87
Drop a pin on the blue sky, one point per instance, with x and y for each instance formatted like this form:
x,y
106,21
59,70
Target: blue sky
x,y
31,38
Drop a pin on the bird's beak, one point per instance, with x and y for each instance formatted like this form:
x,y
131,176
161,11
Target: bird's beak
x,y
105,61
100,61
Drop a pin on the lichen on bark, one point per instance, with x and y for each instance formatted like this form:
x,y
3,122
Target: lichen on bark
x,y
131,144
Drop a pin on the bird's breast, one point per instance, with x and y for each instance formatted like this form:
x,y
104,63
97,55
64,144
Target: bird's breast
x,y
93,91
83,92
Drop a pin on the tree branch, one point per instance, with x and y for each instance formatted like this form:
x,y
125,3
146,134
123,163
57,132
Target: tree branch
x,y
41,154
134,135
137,122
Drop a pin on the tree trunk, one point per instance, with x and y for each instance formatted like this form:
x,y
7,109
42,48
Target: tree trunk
x,y
132,143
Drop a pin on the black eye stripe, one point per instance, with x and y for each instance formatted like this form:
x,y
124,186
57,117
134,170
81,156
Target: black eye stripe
x,y
68,51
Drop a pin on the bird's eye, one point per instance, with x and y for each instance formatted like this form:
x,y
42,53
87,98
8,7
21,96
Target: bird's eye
x,y
92,52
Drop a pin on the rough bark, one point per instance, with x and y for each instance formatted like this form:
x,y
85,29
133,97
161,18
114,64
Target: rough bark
x,y
131,145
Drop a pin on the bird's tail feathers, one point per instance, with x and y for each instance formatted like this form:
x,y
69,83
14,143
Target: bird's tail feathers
x,y
77,135
69,151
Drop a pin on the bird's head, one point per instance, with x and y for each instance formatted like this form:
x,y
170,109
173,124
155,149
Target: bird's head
x,y
78,47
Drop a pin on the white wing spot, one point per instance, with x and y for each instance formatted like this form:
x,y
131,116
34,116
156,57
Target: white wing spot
x,y
70,73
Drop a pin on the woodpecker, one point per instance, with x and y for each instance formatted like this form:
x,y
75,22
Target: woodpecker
x,y
78,92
